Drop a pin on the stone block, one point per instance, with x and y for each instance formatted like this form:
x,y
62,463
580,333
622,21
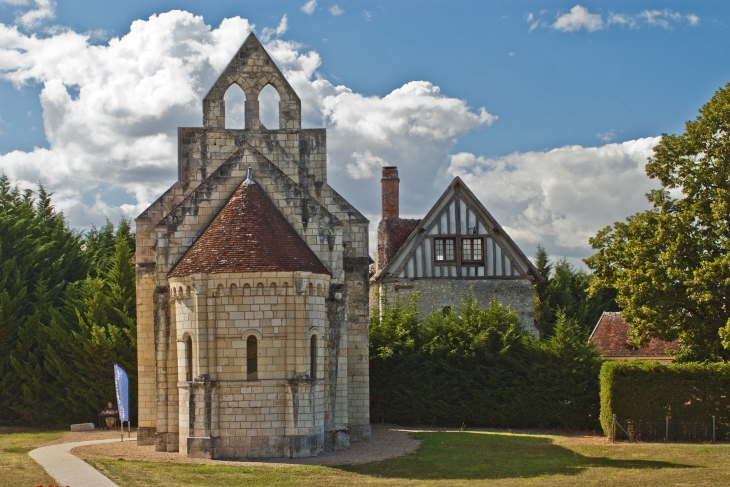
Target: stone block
x,y
83,427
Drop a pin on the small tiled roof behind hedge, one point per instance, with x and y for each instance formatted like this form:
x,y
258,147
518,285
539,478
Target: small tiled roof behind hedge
x,y
612,332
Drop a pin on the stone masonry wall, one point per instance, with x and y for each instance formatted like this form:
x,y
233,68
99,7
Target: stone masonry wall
x,y
281,411
437,293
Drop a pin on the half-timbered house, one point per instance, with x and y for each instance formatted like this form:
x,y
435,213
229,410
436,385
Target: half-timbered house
x,y
457,247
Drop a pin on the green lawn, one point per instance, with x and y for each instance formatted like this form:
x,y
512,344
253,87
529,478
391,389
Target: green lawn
x,y
16,467
444,459
466,458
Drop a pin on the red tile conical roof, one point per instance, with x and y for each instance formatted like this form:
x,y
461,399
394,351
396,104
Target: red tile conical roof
x,y
249,235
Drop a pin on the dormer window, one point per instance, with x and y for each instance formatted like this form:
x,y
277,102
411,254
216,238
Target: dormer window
x,y
444,249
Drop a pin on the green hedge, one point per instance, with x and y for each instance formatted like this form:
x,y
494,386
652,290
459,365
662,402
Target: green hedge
x,y
476,366
649,391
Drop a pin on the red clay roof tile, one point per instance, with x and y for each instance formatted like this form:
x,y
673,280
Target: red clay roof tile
x,y
248,235
612,332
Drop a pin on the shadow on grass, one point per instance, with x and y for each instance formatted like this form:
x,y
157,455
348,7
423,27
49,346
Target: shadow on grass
x,y
467,455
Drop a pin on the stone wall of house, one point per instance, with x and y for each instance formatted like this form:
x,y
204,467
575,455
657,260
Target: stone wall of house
x,y
439,293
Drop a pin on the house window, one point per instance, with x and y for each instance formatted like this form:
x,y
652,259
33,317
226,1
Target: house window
x,y
313,357
471,249
444,249
251,358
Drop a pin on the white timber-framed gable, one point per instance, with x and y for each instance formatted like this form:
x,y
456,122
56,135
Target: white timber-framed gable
x,y
459,238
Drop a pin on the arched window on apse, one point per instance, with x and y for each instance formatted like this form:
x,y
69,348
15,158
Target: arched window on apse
x,y
313,357
235,107
188,359
252,363
269,107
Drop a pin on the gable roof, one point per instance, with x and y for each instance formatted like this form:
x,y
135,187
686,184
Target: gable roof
x,y
612,332
249,234
492,229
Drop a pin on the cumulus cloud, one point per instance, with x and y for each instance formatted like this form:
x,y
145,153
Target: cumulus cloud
x,y
578,18
279,30
111,112
560,197
336,10
365,166
308,8
40,11
132,94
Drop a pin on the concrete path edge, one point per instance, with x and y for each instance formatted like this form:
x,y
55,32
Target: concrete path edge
x,y
69,470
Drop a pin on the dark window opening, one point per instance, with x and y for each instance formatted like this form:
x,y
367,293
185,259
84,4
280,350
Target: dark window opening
x,y
188,359
251,358
313,357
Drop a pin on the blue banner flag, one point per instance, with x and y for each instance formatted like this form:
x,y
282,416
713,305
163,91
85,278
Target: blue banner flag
x,y
121,381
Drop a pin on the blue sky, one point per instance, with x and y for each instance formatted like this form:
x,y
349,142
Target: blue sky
x,y
546,109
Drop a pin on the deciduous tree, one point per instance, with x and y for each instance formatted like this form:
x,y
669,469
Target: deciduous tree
x,y
671,264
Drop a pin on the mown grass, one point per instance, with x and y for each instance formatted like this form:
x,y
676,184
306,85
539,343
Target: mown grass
x,y
16,467
465,458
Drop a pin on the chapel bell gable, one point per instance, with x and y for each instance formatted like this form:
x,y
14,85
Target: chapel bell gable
x,y
252,69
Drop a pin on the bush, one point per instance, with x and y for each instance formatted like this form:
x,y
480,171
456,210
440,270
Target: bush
x,y
649,391
477,366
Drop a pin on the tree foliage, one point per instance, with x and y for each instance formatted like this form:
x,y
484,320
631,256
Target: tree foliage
x,y
58,300
670,265
566,290
477,366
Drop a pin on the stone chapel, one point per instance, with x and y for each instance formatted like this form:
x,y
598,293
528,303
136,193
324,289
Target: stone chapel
x,y
252,288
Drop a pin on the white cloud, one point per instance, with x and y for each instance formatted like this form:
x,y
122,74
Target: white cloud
x,y
119,130
578,18
607,136
365,166
118,135
308,8
655,17
621,19
560,197
133,94
368,16
44,10
336,10
279,30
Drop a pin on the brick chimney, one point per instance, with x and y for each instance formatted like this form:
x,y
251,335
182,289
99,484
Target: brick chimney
x,y
389,188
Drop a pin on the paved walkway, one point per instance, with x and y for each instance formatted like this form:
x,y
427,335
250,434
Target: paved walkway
x,y
70,470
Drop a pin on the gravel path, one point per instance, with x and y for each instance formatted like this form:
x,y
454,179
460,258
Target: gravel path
x,y
386,442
